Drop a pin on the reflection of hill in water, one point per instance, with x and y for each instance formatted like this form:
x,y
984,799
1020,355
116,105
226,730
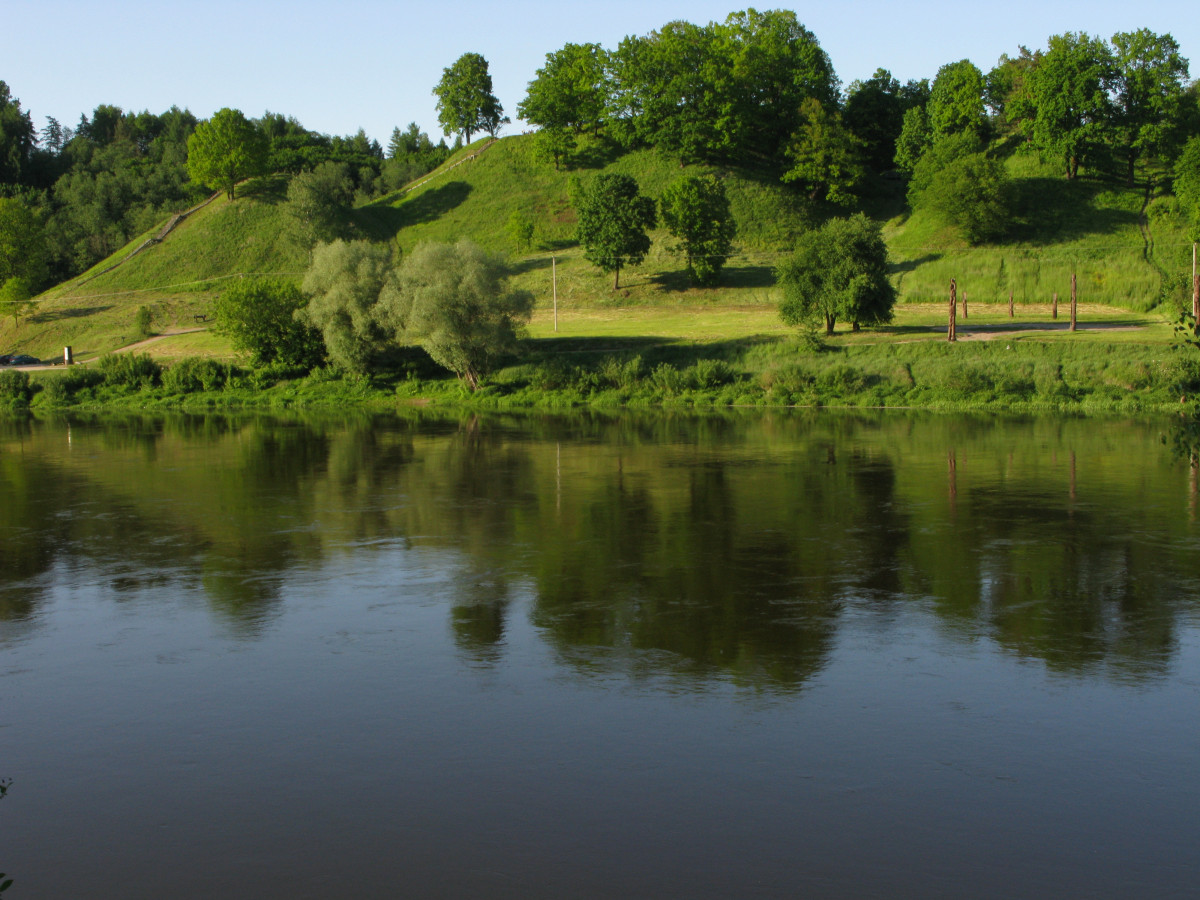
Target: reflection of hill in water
x,y
721,545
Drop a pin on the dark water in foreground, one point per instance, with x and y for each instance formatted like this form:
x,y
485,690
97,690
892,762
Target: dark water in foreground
x,y
763,655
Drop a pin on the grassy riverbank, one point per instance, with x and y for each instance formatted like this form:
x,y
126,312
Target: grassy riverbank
x,y
1117,362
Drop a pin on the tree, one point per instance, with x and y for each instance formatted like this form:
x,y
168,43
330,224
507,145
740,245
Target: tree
x,y
914,140
838,271
320,200
964,187
22,244
1151,78
259,317
1187,183
520,228
17,137
695,209
16,299
554,144
826,157
465,102
1070,90
343,284
875,111
613,219
454,301
1008,91
956,100
570,91
225,150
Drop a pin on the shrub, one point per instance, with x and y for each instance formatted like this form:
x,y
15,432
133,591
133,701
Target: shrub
x,y
667,379
842,380
706,374
15,389
620,374
193,374
143,320
130,370
64,387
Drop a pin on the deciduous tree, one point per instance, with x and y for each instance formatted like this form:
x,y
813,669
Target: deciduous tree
x,y
838,271
1151,78
226,149
465,102
570,91
320,200
454,301
956,100
696,211
1070,90
343,284
259,316
826,158
613,220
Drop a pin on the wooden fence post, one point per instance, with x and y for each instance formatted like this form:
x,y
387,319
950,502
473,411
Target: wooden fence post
x,y
951,330
965,316
1054,306
1073,301
1010,304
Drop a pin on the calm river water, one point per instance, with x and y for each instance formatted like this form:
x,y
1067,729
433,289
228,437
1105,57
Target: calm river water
x,y
761,655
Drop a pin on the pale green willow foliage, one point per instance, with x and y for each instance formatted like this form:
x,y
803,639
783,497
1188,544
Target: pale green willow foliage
x,y
453,300
344,283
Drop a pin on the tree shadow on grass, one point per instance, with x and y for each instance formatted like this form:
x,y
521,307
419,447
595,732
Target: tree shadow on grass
x,y
911,265
1055,210
381,222
74,313
270,189
679,280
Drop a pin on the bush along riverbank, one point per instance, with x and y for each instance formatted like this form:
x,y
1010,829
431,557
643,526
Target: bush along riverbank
x,y
1117,377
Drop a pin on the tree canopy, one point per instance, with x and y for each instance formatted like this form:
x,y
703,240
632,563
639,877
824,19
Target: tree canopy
x,y
465,102
259,316
343,284
695,210
454,301
613,220
838,271
570,91
225,150
826,158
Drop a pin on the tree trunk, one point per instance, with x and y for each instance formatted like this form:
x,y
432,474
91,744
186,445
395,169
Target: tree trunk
x,y
617,278
829,320
854,326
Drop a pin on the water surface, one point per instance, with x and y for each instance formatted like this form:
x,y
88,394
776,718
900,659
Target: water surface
x,y
631,656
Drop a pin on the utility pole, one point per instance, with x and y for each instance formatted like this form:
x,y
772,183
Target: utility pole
x,y
554,279
952,330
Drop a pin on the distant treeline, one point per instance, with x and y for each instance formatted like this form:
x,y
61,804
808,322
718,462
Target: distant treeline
x,y
90,189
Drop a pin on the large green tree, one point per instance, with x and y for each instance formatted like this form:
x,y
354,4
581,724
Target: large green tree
x,y
1070,92
613,220
320,200
874,112
465,102
22,244
570,91
827,159
1151,80
226,149
343,284
956,100
696,211
838,271
17,137
969,190
454,301
1187,183
259,316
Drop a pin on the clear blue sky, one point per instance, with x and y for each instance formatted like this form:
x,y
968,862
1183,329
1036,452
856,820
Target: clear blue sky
x,y
339,66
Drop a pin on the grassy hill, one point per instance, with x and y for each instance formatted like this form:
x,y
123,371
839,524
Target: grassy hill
x,y
1126,245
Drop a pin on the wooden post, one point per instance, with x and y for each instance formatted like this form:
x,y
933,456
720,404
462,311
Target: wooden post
x,y
1073,301
1010,304
951,330
1054,306
554,279
965,316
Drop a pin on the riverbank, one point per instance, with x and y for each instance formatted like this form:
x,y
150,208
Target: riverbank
x,y
1103,371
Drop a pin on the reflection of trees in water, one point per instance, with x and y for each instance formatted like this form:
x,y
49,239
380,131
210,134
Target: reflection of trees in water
x,y
725,545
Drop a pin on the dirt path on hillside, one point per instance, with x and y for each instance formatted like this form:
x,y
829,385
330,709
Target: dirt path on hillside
x,y
130,348
995,332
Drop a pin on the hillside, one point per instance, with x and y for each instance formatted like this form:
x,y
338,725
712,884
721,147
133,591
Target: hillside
x,y
1125,245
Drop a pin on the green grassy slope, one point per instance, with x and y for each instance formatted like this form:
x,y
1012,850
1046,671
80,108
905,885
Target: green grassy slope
x,y
1127,247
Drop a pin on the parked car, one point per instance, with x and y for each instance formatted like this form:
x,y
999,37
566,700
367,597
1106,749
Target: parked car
x,y
23,360
6,359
